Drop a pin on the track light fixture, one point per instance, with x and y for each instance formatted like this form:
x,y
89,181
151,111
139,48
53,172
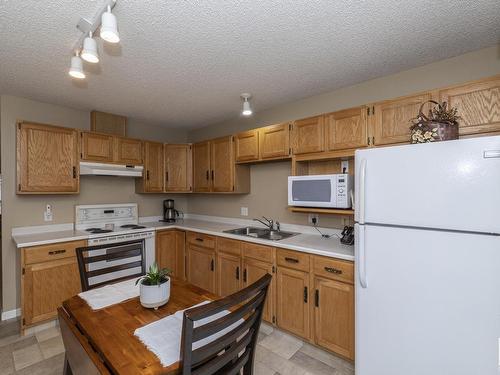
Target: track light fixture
x,y
86,44
76,70
247,109
109,28
89,51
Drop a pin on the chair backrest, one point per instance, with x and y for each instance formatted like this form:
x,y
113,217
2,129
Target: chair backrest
x,y
106,264
235,348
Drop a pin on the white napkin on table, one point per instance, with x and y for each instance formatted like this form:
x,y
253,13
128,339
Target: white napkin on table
x,y
163,337
111,294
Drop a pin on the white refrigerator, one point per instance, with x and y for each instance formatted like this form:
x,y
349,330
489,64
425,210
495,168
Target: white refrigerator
x,y
427,246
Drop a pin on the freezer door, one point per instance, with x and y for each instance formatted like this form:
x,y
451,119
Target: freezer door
x,y
448,185
430,304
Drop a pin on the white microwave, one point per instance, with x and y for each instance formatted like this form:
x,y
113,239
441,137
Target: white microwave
x,y
331,190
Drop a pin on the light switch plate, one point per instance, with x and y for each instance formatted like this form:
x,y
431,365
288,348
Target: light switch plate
x,y
244,211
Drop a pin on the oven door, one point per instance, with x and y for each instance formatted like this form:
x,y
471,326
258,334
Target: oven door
x,y
312,191
118,254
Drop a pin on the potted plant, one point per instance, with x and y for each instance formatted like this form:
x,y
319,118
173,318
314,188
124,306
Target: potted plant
x,y
154,287
441,124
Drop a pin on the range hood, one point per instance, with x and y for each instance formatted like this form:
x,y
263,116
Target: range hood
x,y
104,169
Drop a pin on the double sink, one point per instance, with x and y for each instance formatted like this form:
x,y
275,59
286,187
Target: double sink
x,y
262,233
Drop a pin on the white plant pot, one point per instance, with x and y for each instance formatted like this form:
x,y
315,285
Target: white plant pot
x,y
154,296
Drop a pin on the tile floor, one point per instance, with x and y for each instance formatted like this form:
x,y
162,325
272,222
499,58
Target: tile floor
x,y
42,353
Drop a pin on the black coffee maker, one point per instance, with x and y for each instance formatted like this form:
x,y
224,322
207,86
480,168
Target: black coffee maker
x,y
169,212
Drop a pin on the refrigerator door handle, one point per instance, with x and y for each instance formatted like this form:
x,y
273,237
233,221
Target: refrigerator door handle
x,y
362,256
362,191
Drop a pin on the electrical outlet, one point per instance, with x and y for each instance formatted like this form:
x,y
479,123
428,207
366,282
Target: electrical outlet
x,y
344,166
344,221
47,214
244,211
311,217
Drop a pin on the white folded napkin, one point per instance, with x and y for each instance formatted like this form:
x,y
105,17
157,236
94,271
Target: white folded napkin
x,y
111,294
163,337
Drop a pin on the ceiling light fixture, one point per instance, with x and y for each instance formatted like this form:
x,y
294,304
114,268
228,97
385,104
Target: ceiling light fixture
x,y
76,69
89,51
247,109
109,28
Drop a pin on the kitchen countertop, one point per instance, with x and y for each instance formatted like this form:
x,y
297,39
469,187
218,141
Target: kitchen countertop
x,y
304,242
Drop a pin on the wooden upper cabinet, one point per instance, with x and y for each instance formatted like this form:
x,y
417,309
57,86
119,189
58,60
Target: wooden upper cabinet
x,y
292,301
478,105
128,151
308,135
391,119
153,167
47,159
334,316
275,141
246,145
178,168
222,163
347,128
97,147
201,167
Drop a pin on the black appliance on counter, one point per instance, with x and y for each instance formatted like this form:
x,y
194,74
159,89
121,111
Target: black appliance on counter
x,y
169,212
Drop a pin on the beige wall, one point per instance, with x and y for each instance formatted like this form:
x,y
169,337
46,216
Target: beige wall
x,y
28,210
269,183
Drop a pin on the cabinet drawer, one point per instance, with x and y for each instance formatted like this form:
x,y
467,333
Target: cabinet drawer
x,y
259,252
228,246
203,240
292,259
44,253
334,269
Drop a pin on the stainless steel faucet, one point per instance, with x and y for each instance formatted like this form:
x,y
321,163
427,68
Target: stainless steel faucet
x,y
269,224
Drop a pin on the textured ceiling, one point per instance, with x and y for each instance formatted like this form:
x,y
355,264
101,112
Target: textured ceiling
x,y
185,62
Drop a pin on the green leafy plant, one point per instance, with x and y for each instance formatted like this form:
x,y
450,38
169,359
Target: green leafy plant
x,y
154,276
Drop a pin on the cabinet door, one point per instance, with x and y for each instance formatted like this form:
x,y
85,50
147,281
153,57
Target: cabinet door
x,y
222,162
46,285
201,267
247,145
334,316
391,119
153,167
253,270
292,301
128,151
478,106
178,168
170,251
97,147
228,274
201,167
47,159
347,129
308,135
275,141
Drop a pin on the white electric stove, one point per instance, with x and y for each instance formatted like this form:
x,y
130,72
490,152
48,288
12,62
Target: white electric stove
x,y
116,225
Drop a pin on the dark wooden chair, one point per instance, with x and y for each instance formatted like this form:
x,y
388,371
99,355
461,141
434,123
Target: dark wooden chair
x,y
110,262
235,350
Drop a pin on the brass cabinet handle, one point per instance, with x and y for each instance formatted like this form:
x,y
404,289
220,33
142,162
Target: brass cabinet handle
x,y
291,260
55,252
336,271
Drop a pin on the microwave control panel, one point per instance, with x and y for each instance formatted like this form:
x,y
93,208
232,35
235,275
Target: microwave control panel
x,y
344,187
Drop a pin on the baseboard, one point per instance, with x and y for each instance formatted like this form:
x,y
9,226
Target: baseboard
x,y
6,315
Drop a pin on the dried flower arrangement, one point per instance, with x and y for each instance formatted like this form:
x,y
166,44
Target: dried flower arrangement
x,y
441,124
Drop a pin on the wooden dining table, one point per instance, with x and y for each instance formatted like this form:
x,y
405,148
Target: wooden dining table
x,y
103,342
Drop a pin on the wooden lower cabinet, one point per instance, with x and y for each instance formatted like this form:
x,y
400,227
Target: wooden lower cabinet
x,y
228,274
49,276
292,301
201,267
253,270
334,316
170,251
